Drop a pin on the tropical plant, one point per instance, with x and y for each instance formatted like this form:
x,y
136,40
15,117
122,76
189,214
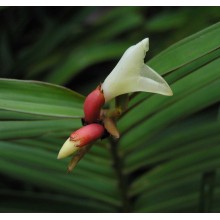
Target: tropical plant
x,y
167,159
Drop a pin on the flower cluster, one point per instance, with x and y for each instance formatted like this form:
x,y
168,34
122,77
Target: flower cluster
x,y
131,74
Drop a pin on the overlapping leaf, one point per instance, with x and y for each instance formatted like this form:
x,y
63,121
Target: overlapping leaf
x,y
156,137
39,98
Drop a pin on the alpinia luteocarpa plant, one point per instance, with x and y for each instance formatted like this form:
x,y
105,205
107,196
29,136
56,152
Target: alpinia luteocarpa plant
x,y
163,144
130,75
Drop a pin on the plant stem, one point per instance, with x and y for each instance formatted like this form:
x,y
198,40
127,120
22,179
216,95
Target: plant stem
x,y
122,179
207,190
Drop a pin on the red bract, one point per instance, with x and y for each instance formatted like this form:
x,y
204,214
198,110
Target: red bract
x,y
92,105
87,134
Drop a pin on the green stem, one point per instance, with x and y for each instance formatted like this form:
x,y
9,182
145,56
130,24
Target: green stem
x,y
122,179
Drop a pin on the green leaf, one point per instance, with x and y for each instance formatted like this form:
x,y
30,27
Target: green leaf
x,y
197,162
22,201
191,139
187,50
25,129
34,160
39,98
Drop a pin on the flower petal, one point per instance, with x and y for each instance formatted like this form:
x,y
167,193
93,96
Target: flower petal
x,y
132,75
129,66
151,81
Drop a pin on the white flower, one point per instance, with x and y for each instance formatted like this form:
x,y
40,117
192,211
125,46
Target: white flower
x,y
131,74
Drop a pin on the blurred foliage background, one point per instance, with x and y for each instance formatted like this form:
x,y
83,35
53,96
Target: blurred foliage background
x,y
77,47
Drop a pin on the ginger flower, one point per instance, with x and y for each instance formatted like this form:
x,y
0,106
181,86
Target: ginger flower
x,y
131,74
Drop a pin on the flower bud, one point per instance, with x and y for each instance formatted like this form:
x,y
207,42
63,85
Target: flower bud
x,y
92,105
87,134
80,138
